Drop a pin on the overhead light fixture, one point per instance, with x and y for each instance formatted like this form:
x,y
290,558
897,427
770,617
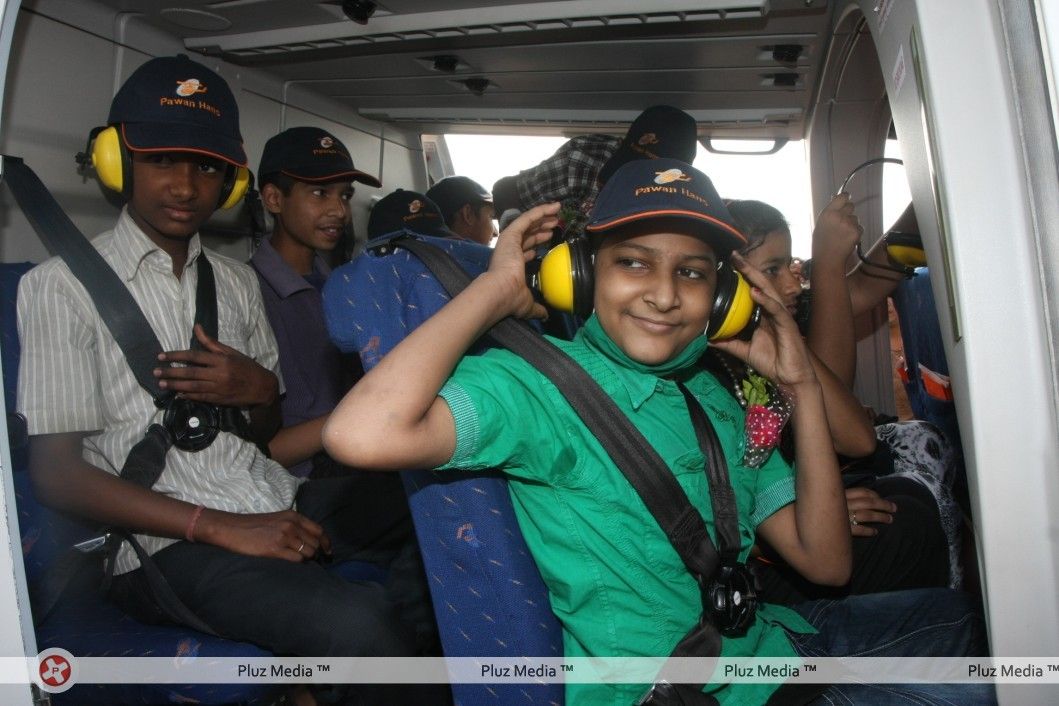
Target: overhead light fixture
x,y
358,10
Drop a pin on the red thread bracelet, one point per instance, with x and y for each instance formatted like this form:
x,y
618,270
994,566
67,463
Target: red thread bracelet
x,y
189,533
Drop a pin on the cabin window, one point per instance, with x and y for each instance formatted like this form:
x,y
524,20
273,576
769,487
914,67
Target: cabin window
x,y
896,194
780,179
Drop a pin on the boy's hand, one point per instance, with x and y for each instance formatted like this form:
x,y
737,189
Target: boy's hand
x,y
219,375
776,349
516,246
284,535
837,232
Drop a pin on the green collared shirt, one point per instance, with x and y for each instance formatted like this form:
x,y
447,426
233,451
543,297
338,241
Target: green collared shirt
x,y
616,583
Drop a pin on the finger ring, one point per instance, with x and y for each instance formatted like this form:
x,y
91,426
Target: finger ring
x,y
302,546
853,519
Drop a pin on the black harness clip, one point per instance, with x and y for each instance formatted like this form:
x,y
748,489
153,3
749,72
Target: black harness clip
x,y
192,426
729,599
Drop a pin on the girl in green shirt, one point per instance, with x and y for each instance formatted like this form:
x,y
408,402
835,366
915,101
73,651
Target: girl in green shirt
x,y
617,585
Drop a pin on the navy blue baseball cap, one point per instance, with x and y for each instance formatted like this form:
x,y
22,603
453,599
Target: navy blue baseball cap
x,y
172,103
659,132
665,188
454,192
309,154
407,210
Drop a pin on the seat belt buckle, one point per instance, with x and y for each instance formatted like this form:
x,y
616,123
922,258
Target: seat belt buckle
x,y
661,693
729,599
94,544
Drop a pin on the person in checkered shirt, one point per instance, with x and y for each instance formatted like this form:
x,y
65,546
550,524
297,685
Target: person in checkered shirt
x,y
577,170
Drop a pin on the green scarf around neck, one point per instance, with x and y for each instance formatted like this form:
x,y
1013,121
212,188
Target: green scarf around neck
x,y
594,335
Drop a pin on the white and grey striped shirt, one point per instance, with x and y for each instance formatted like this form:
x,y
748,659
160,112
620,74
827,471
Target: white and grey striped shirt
x,y
74,378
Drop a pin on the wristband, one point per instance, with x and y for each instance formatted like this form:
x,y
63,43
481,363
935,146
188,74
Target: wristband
x,y
189,533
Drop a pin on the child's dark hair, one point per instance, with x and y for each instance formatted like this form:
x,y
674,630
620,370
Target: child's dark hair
x,y
281,181
756,219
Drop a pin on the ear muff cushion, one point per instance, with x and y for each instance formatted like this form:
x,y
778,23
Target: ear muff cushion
x,y
565,278
108,159
584,277
555,279
733,307
235,187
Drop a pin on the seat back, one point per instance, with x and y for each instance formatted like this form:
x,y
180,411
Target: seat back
x,y
488,595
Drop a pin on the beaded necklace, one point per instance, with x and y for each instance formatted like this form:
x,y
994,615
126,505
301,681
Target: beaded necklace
x,y
736,379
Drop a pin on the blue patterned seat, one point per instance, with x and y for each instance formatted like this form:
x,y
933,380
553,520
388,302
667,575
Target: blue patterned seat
x,y
927,383
488,594
84,623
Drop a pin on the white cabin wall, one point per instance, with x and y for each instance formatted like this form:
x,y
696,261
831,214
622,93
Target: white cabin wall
x,y
49,107
965,157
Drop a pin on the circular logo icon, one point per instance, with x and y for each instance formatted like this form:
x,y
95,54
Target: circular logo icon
x,y
56,670
671,175
326,142
189,87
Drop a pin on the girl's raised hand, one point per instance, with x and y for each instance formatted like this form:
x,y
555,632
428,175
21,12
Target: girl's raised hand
x,y
516,246
837,232
776,349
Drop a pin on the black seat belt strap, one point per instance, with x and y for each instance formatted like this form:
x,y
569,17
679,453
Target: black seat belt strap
x,y
118,310
205,300
722,496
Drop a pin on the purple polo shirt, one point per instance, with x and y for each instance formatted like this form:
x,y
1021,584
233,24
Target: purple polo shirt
x,y
315,373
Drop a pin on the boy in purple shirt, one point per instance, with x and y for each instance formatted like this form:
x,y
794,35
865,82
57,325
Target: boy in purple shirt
x,y
306,177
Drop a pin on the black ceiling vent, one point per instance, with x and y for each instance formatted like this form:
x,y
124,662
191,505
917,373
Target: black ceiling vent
x,y
446,63
476,85
787,53
360,11
782,80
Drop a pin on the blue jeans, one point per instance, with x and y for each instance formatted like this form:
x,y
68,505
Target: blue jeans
x,y
927,622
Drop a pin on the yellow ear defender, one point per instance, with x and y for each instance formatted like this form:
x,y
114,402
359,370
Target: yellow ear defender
x,y
733,307
565,278
113,165
236,184
565,281
906,249
110,159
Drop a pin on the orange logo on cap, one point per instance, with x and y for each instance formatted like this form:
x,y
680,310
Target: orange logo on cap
x,y
648,138
326,142
671,175
415,206
189,87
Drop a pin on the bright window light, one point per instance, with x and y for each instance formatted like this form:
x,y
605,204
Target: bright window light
x,y
780,180
486,158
